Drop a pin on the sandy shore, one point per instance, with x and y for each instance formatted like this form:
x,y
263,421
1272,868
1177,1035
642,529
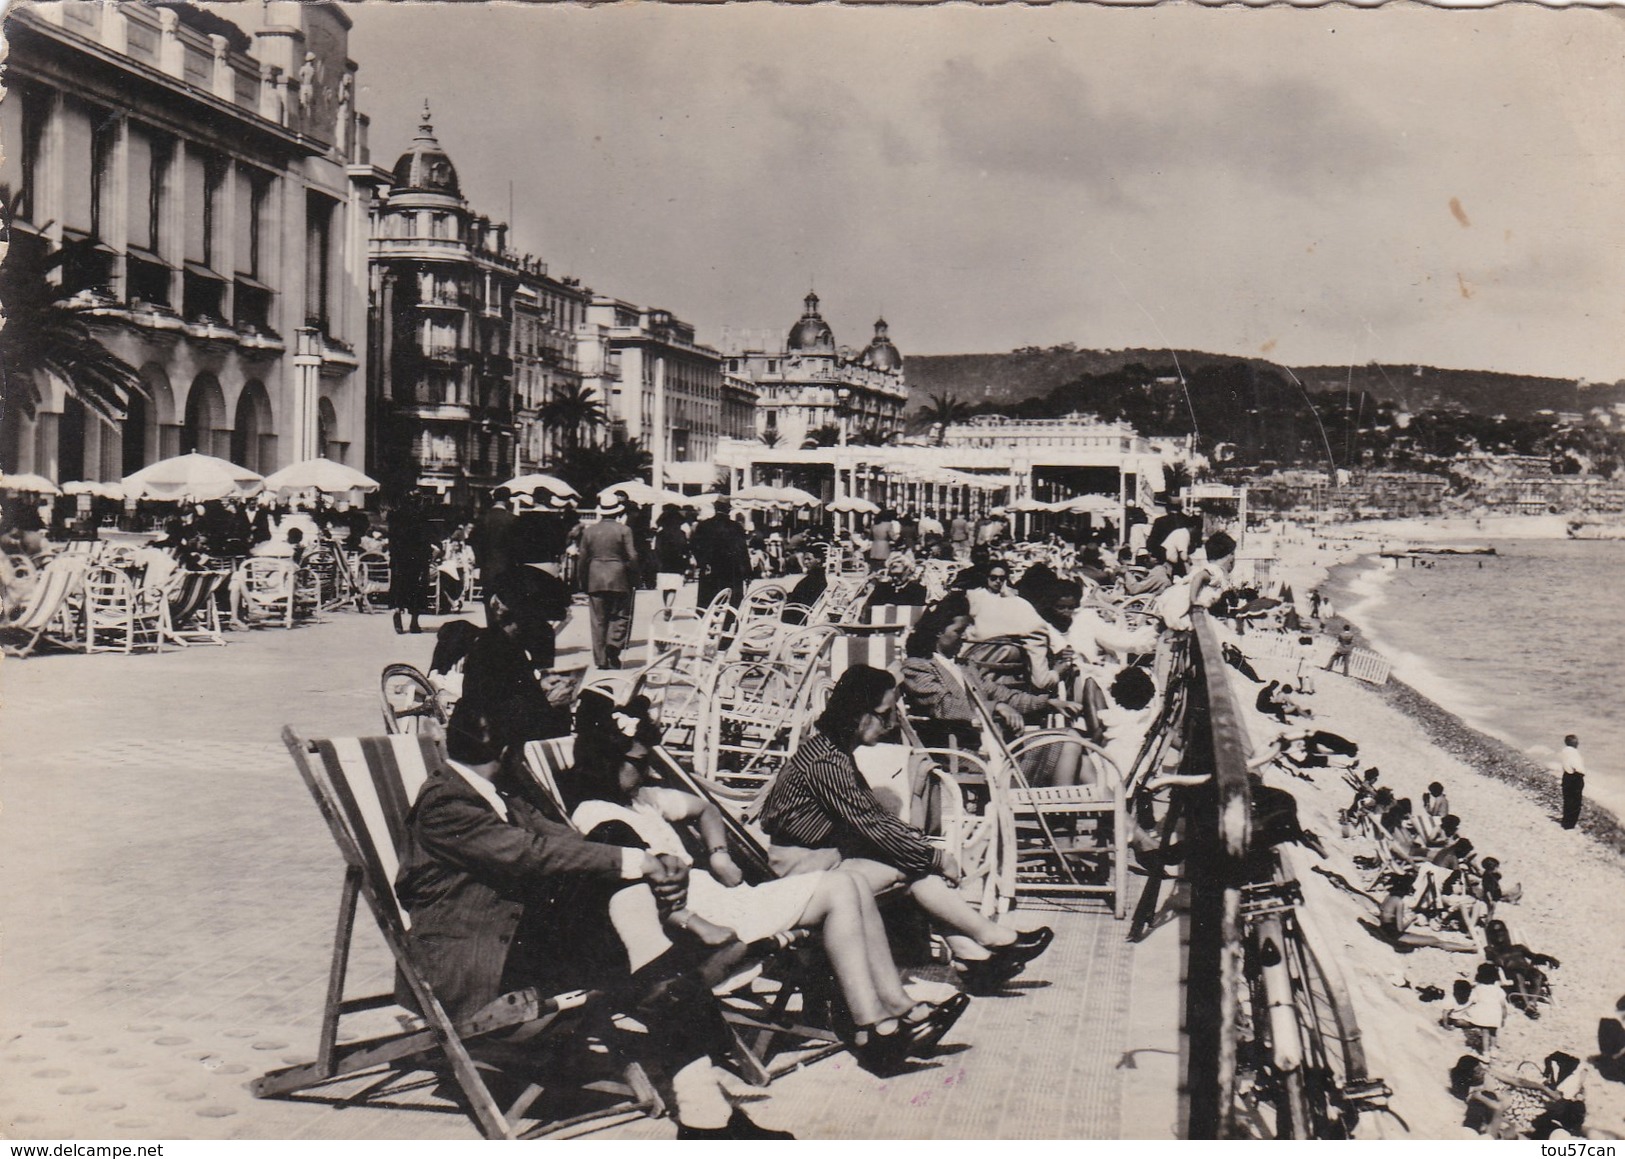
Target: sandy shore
x,y
1574,881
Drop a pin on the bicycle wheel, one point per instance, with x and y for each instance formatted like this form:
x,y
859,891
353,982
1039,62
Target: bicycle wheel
x,y
409,702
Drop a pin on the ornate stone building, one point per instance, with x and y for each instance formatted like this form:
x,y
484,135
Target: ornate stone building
x,y
469,338
812,383
209,170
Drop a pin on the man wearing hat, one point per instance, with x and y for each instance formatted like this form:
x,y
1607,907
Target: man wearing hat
x,y
493,538
722,551
607,565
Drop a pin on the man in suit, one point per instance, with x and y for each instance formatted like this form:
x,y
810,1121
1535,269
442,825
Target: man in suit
x,y
489,882
608,563
505,667
722,551
493,538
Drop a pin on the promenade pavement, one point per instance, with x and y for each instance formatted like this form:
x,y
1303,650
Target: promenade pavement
x,y
171,893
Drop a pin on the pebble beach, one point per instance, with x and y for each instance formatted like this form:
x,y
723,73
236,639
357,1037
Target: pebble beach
x,y
1573,904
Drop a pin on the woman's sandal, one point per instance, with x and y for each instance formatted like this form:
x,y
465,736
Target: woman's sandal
x,y
929,1028
877,1053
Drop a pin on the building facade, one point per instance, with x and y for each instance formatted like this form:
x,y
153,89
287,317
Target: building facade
x,y
208,170
664,388
469,338
812,386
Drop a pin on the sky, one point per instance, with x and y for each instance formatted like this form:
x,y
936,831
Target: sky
x,y
1317,186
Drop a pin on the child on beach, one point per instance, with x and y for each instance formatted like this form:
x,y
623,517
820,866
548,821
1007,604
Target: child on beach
x,y
1483,1014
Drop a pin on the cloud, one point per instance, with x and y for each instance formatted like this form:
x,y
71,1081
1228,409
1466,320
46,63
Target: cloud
x,y
1036,115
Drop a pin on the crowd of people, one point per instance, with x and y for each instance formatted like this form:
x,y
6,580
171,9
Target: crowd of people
x,y
641,869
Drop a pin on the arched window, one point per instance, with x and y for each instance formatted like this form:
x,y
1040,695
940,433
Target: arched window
x,y
205,427
253,435
327,431
150,430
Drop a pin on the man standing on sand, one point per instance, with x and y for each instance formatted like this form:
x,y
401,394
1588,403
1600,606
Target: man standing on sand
x,y
1344,652
1574,780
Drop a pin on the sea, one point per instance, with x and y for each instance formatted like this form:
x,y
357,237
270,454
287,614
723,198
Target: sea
x,y
1526,645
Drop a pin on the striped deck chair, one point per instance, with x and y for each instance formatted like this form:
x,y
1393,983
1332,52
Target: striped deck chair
x,y
47,613
191,613
777,1024
364,787
877,645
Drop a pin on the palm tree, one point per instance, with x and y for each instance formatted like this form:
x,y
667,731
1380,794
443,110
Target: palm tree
x,y
45,336
770,438
827,435
572,409
591,469
941,412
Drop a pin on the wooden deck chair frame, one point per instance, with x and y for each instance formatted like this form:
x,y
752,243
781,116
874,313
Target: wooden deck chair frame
x,y
47,612
363,787
192,614
266,591
762,1027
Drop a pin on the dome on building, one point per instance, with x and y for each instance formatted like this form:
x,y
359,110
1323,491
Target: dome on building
x,y
425,167
880,354
811,334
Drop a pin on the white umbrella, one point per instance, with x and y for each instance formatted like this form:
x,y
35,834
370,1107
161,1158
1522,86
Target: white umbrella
x,y
525,484
91,487
319,475
34,484
634,491
1093,504
195,475
777,496
1028,503
856,504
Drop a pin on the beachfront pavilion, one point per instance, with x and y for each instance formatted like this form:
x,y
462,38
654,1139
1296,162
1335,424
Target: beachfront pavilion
x,y
990,466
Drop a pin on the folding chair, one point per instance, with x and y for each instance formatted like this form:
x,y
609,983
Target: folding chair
x,y
119,616
371,570
191,611
47,613
265,591
364,787
768,1018
1071,840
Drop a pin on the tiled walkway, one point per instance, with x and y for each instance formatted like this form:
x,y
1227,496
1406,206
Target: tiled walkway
x,y
171,891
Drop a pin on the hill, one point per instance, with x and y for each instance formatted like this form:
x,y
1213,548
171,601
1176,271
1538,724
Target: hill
x,y
1007,379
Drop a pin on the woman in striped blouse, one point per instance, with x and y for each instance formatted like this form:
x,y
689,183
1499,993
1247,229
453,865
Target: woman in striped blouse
x,y
821,812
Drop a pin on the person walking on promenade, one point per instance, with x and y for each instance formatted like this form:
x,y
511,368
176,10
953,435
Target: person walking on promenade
x,y
671,555
1574,780
1344,652
410,549
722,551
609,561
493,538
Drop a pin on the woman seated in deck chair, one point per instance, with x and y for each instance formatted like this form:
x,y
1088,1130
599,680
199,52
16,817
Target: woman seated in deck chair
x,y
938,690
614,799
821,813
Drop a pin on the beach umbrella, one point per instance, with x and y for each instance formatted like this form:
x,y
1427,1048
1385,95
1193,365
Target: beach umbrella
x,y
319,475
195,476
855,504
526,484
1090,504
633,491
1028,503
29,484
91,487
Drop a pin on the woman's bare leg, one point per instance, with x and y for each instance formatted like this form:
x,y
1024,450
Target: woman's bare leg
x,y
835,907
882,967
